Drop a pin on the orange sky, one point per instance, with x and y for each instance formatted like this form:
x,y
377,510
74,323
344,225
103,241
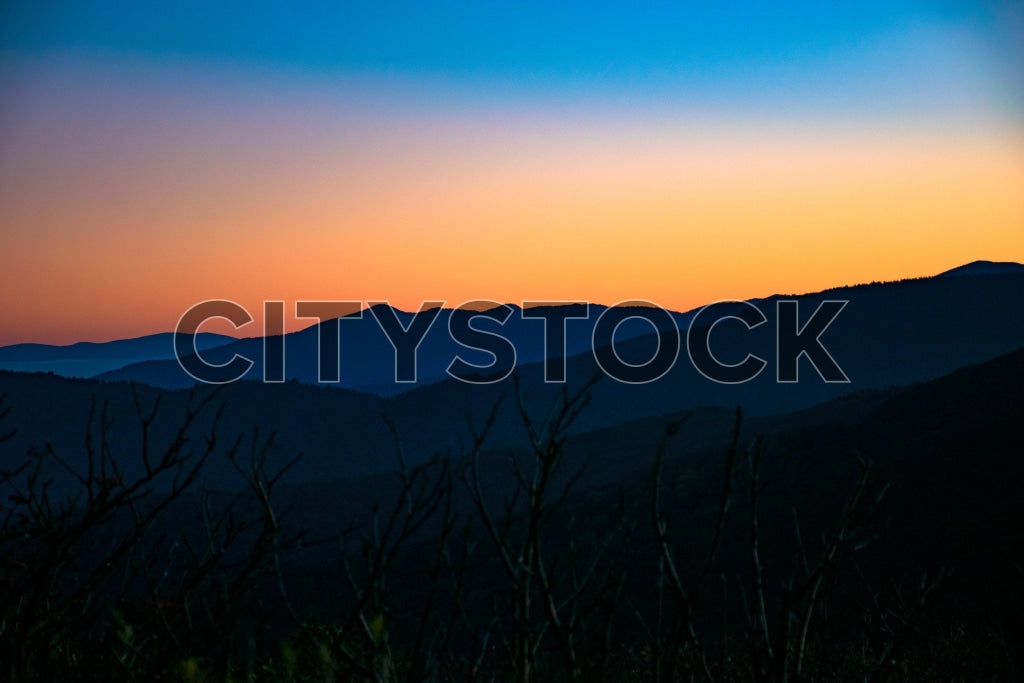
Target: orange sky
x,y
116,220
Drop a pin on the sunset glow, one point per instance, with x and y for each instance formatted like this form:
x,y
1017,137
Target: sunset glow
x,y
132,187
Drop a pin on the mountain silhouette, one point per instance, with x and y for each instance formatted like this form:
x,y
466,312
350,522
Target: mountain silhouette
x,y
88,359
889,333
366,357
985,268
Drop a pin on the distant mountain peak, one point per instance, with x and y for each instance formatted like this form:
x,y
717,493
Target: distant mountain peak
x,y
984,268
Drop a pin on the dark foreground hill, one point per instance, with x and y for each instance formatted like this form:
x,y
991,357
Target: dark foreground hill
x,y
925,566
885,542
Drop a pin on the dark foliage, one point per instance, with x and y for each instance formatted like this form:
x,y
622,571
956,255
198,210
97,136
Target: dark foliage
x,y
872,538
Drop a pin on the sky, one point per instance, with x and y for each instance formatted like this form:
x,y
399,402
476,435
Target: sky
x,y
155,155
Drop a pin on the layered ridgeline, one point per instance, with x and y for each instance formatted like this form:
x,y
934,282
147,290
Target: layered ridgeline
x,y
88,359
364,357
944,451
946,447
887,335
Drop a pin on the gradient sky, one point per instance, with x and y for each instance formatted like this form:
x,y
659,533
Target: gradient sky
x,y
153,156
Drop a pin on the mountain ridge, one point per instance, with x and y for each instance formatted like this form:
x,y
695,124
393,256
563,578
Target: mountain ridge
x,y
366,358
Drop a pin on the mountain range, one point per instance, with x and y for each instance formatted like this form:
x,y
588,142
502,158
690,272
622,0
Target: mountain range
x,y
928,421
88,359
888,335
900,331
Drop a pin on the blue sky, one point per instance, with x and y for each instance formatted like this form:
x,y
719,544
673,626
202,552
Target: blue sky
x,y
782,50
679,153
